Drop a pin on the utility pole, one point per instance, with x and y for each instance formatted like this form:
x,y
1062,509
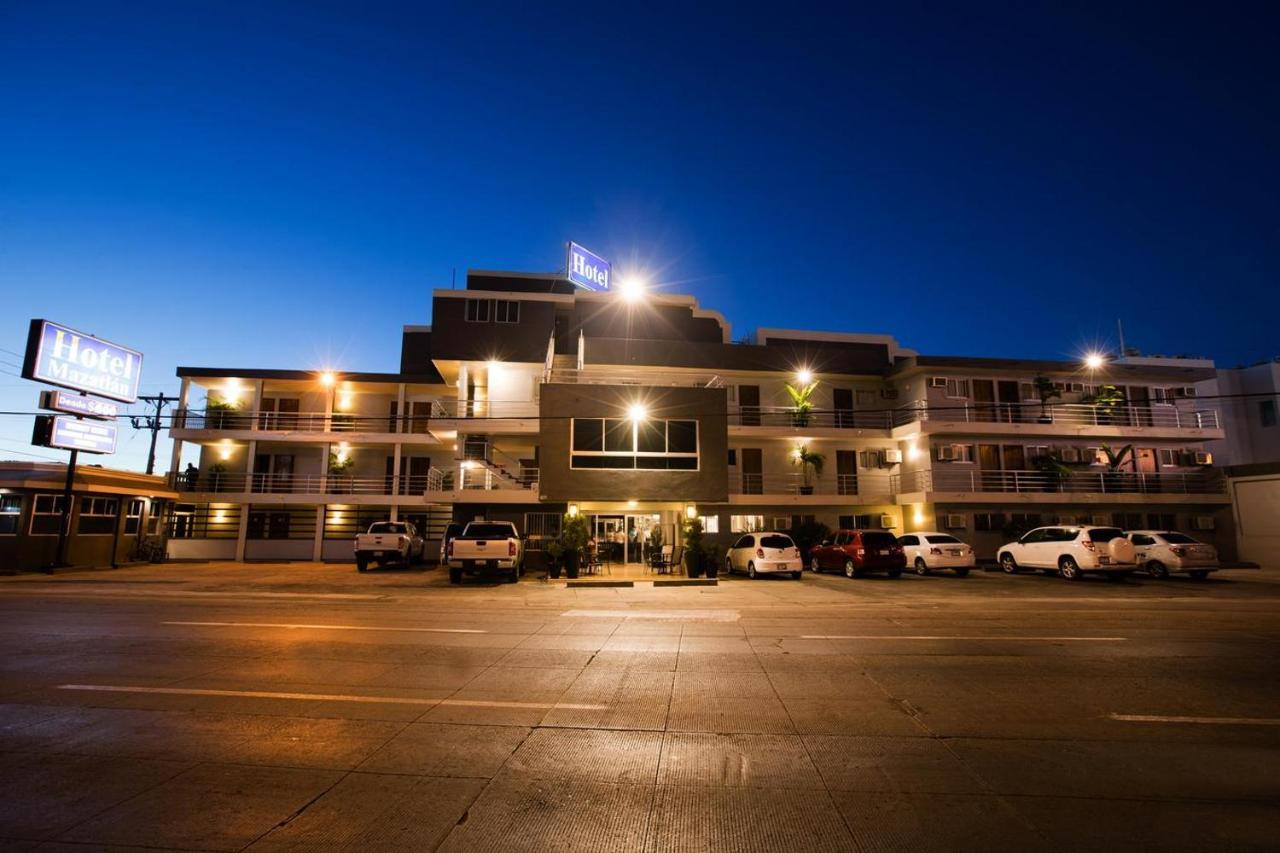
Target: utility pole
x,y
152,423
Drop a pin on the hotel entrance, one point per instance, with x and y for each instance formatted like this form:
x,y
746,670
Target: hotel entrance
x,y
624,536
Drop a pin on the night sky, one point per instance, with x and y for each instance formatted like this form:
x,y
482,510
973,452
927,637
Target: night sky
x,y
285,188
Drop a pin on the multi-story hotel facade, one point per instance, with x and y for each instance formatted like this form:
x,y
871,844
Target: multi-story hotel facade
x,y
527,398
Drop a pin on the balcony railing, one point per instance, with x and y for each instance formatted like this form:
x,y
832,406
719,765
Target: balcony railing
x,y
844,485
1093,482
1063,414
296,421
665,379
484,409
435,480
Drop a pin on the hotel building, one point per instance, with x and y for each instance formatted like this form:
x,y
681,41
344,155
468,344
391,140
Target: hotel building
x,y
526,396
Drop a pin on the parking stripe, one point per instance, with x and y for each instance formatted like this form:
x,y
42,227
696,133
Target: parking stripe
x,y
1212,721
328,627
973,637
323,697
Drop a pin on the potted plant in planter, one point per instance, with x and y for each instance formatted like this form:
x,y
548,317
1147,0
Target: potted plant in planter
x,y
340,472
694,553
715,558
1113,479
1055,470
808,460
801,402
1107,403
1046,391
555,553
655,542
573,539
218,414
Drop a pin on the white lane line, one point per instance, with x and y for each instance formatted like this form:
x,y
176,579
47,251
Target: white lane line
x,y
708,615
1212,721
105,592
953,637
324,697
328,627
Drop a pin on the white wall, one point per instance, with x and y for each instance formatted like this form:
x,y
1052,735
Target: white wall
x,y
1256,501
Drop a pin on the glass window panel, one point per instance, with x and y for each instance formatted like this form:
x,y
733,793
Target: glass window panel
x,y
651,437
682,436
588,434
618,437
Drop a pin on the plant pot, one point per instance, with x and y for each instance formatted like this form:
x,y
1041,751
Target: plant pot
x,y
571,566
806,490
800,420
713,569
553,569
693,565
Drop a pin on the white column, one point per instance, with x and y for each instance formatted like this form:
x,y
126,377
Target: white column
x,y
401,414
175,455
257,404
396,452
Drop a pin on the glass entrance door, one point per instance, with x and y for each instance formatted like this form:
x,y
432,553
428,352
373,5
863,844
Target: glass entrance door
x,y
638,530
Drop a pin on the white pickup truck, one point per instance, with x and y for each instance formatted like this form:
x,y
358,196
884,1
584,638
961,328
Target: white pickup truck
x,y
389,542
493,546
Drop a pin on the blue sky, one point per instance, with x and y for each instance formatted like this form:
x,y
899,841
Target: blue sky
x,y
282,185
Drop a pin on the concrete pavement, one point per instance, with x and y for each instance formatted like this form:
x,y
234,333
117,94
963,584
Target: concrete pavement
x,y
307,707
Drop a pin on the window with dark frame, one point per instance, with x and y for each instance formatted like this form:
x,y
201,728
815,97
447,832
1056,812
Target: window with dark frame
x,y
1267,412
477,310
10,513
97,516
46,515
133,517
506,311
623,444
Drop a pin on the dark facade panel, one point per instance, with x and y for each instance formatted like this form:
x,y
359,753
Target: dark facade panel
x,y
559,482
549,283
1112,372
616,318
786,357
453,338
415,357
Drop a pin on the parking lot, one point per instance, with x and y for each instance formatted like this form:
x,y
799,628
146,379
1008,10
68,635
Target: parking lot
x,y
308,707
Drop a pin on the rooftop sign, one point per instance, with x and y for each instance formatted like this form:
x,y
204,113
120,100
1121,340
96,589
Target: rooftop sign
x,y
71,433
59,355
587,269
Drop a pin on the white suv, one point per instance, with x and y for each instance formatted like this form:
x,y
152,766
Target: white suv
x,y
1070,551
764,553
929,550
1163,551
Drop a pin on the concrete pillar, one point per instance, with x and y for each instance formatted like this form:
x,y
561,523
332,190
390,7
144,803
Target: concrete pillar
x,y
175,455
395,481
243,535
401,414
257,405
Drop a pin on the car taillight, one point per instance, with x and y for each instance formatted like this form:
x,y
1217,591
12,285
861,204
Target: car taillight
x,y
511,549
760,553
861,551
795,552
1088,543
937,551
1179,552
448,549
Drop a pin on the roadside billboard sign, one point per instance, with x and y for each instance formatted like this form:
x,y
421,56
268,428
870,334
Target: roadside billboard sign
x,y
59,355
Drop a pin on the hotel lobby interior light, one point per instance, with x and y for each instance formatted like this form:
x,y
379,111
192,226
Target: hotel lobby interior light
x,y
224,451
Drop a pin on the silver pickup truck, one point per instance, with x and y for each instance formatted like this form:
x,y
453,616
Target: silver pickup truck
x,y
389,542
493,546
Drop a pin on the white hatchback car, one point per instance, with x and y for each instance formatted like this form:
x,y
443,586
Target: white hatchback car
x,y
1163,551
928,550
1070,551
764,553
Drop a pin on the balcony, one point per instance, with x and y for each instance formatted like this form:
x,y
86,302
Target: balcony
x,y
843,488
1081,418
656,378
787,418
295,422
437,484
1128,484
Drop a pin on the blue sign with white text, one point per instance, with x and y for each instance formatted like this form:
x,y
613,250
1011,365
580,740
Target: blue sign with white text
x,y
89,436
587,269
60,355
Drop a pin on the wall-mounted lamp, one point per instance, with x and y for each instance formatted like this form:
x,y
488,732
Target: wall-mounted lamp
x,y
224,452
804,376
690,511
573,510
638,412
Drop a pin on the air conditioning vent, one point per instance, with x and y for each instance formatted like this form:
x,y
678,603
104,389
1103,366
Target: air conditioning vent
x,y
889,393
886,522
946,453
937,382
1202,522
955,521
892,456
1203,457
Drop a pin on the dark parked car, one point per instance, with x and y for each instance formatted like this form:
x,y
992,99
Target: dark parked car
x,y
857,552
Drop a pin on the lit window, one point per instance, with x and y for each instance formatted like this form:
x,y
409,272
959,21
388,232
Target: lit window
x,y
711,524
10,510
623,443
746,523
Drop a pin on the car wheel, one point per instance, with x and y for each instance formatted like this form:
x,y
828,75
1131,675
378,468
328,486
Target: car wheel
x,y
1007,563
895,573
514,576
921,568
814,567
849,570
728,566
455,576
1198,574
751,571
796,575
1156,569
362,564
1069,568
962,573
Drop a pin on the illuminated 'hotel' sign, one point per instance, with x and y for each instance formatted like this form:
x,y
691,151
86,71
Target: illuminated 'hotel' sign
x,y
61,356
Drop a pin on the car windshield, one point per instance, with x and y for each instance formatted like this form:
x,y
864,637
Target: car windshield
x,y
488,531
942,539
1174,538
776,541
878,540
1105,534
387,527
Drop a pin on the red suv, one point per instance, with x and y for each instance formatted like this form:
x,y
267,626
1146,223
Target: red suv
x,y
857,552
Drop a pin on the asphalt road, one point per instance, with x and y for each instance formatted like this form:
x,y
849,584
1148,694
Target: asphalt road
x,y
305,707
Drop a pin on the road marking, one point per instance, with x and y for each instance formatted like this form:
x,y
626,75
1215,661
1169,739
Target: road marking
x,y
325,697
975,637
1212,721
193,593
328,627
709,615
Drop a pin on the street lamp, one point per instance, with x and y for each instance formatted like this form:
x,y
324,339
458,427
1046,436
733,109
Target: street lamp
x,y
631,288
1094,360
804,376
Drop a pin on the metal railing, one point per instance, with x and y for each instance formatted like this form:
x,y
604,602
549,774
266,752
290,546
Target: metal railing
x,y
665,379
462,409
786,416
842,485
240,482
296,421
1092,482
1064,414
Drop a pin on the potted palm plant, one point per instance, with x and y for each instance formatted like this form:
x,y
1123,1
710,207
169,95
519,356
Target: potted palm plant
x,y
218,414
1107,403
1055,471
555,553
1114,478
694,554
1046,391
808,460
801,402
340,472
655,542
574,537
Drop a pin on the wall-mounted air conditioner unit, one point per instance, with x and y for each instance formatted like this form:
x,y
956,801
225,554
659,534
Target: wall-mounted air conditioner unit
x,y
1185,391
886,522
946,453
891,456
1202,522
1070,454
937,382
954,521
889,393
1203,457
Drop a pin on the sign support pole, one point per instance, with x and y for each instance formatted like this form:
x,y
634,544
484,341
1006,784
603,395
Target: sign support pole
x,y
64,525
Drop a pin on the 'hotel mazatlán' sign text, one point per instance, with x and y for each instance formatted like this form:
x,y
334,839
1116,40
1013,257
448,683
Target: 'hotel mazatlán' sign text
x,y
58,355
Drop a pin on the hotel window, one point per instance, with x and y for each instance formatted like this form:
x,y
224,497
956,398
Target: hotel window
x,y
97,516
153,518
958,389
46,515
621,443
10,511
1168,457
710,524
477,310
1267,412
746,523
506,311
988,521
133,518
